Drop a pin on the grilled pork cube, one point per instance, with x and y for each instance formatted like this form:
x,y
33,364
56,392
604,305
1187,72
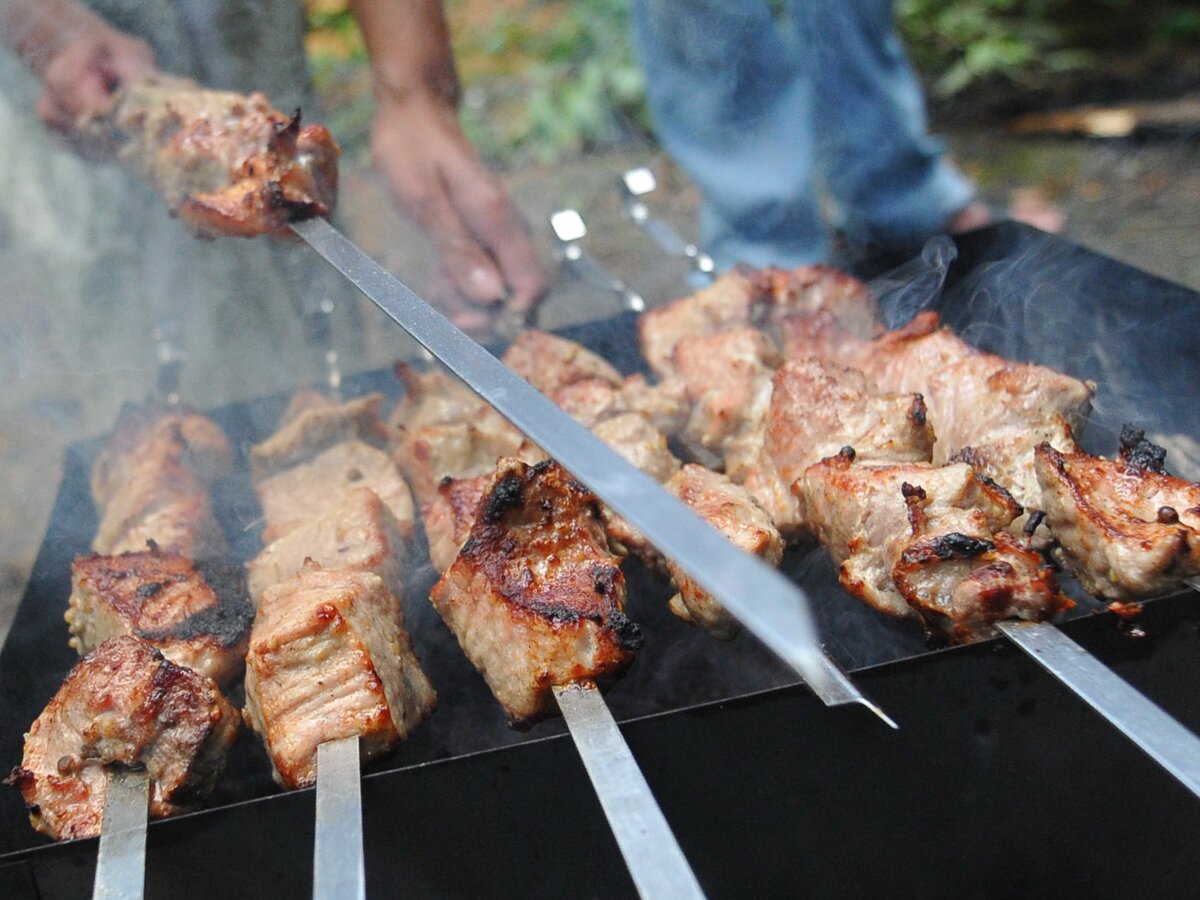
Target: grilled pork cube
x,y
317,425
448,519
360,532
154,435
438,398
535,596
427,454
162,504
731,510
549,362
123,704
728,378
815,410
196,614
226,163
1126,528
726,304
925,540
330,658
303,492
818,291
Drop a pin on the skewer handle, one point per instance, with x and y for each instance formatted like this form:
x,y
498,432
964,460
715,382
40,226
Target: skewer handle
x,y
1166,741
568,229
338,869
655,861
635,185
121,864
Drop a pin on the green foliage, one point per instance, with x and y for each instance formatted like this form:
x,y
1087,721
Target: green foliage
x,y
580,88
960,42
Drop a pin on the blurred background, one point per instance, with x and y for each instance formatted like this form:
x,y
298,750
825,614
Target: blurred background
x,y
1093,105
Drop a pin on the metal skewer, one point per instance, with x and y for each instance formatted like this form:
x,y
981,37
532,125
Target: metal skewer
x,y
655,860
569,230
1166,741
636,185
769,605
339,872
121,862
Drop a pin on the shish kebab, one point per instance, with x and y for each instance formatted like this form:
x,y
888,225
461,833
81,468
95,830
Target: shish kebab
x,y
755,424
231,165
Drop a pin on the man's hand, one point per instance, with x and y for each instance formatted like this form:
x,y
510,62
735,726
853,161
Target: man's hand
x,y
486,262
81,75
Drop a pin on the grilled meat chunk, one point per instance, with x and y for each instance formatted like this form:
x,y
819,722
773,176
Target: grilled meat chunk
x,y
359,532
428,454
123,704
330,658
728,381
925,540
317,425
196,614
1126,531
985,410
159,434
448,519
227,164
305,491
731,510
535,596
818,291
162,504
815,410
549,362
726,304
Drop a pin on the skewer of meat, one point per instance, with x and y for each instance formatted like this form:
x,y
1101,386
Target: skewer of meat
x,y
225,163
332,679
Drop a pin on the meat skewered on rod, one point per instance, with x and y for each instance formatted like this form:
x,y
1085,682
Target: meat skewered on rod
x,y
1148,535
331,674
764,601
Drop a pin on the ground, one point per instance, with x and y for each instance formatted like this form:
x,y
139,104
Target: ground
x,y
1136,199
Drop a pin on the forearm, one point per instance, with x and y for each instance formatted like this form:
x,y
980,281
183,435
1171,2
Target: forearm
x,y
409,46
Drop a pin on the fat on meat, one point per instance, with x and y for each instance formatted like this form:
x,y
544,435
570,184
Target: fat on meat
x,y
124,704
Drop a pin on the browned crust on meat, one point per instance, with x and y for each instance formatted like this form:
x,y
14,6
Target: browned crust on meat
x,y
1127,533
535,596
123,704
197,614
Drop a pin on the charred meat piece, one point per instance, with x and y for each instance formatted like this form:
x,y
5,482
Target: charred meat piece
x,y
158,434
928,541
317,426
1127,532
197,615
330,658
815,410
535,597
124,704
448,519
227,164
359,532
303,492
162,504
731,510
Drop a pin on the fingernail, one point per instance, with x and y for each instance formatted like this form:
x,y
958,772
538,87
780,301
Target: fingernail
x,y
484,285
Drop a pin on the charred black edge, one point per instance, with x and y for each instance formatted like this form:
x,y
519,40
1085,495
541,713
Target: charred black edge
x,y
1140,453
947,547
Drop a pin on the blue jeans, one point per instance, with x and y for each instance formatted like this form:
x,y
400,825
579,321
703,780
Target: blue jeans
x,y
795,128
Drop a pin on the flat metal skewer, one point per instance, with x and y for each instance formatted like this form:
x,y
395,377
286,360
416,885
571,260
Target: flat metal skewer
x,y
653,856
636,185
121,862
339,872
1166,741
569,230
769,605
